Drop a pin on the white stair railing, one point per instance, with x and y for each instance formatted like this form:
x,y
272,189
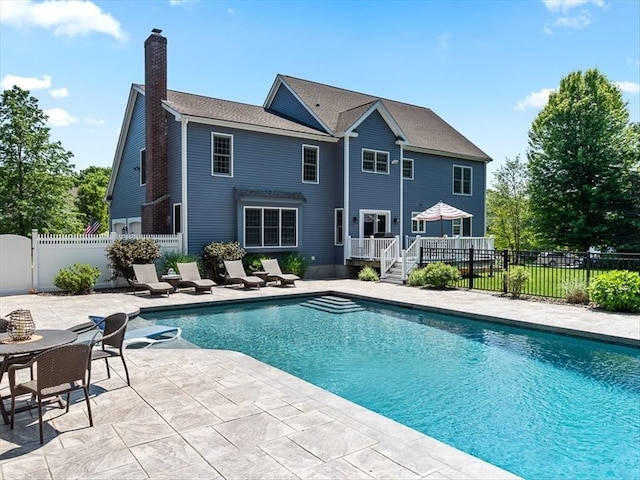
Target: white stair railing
x,y
389,256
410,258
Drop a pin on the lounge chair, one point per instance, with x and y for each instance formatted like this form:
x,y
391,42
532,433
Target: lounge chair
x,y
191,278
236,275
147,279
142,337
272,267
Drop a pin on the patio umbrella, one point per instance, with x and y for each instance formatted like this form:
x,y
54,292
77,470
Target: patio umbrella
x,y
441,211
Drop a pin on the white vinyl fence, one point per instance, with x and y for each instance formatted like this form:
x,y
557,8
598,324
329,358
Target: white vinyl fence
x,y
33,263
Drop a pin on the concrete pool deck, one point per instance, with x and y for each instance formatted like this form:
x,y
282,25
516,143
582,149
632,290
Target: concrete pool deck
x,y
194,413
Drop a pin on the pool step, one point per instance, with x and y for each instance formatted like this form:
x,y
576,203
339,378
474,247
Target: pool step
x,y
333,305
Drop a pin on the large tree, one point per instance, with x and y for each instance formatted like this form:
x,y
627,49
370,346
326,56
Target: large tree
x,y
35,174
576,162
92,185
508,216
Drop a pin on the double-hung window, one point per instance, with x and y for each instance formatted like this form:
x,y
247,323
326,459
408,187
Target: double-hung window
x,y
222,154
461,227
143,167
337,223
407,169
375,161
310,164
270,227
417,226
461,180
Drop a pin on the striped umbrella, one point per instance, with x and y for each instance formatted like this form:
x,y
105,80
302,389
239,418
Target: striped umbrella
x,y
441,211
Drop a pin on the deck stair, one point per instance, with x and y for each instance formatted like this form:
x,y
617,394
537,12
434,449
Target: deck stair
x,y
395,274
332,304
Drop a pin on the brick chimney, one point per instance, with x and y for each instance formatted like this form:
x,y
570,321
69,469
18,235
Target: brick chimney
x,y
156,210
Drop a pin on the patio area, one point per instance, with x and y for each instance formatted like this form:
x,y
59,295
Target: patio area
x,y
193,413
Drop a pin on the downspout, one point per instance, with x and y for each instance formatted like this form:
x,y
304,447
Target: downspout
x,y
184,214
345,214
401,246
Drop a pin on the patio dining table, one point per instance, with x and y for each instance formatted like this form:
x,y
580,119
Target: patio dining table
x,y
40,341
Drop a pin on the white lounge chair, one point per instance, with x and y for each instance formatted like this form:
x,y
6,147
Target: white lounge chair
x,y
191,278
272,267
147,279
145,336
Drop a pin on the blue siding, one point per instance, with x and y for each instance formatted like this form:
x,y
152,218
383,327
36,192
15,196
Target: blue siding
x,y
174,161
433,181
285,103
373,191
260,162
127,194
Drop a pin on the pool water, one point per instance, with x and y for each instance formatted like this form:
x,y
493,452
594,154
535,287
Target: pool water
x,y
541,405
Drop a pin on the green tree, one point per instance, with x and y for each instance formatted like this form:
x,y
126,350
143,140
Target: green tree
x,y
91,186
576,162
508,215
35,174
626,237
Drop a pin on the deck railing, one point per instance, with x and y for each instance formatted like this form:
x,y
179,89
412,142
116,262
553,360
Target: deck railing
x,y
461,243
368,248
389,256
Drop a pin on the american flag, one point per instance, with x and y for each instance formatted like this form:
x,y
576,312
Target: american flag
x,y
92,228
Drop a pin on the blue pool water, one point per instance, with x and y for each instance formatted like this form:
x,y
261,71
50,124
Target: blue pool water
x,y
541,405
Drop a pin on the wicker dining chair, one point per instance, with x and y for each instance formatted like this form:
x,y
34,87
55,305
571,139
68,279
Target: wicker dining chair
x,y
112,342
59,370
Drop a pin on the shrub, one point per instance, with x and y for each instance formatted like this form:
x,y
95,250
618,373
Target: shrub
x,y
616,291
440,275
80,278
252,262
293,263
172,259
368,274
216,253
575,291
416,278
124,253
516,279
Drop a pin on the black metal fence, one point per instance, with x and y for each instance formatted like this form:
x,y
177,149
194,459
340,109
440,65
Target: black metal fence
x,y
551,274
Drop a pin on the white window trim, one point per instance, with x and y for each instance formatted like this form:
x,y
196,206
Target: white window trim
x,y
262,208
228,135
424,223
412,167
143,170
375,161
453,181
335,227
317,149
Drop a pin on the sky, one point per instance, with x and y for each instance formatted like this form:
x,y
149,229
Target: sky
x,y
485,67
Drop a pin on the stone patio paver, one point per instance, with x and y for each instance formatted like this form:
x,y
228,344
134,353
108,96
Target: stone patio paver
x,y
193,413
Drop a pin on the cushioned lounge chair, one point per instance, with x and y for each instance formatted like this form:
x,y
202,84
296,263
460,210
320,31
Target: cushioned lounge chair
x,y
237,275
191,278
147,279
272,267
137,338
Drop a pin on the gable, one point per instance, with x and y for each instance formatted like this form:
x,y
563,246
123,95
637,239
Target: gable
x,y
285,103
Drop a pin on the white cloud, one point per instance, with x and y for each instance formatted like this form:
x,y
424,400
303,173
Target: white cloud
x,y
534,100
93,121
180,3
629,87
631,61
566,5
65,17
231,11
26,83
577,21
59,92
59,117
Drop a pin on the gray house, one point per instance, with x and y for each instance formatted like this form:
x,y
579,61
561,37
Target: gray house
x,y
312,169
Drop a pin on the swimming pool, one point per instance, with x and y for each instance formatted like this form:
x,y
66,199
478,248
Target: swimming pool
x,y
537,404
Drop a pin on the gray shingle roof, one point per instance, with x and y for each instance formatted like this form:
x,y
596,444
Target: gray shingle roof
x,y
424,128
218,109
